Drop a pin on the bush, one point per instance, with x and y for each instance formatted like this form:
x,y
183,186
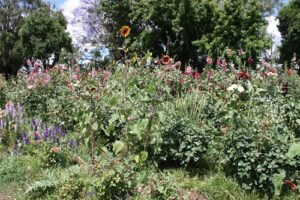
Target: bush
x,y
254,161
116,179
15,169
182,142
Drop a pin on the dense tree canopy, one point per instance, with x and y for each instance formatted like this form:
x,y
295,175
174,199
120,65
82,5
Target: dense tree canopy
x,y
185,29
43,34
289,26
15,44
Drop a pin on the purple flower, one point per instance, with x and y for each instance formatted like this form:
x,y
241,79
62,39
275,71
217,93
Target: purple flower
x,y
71,143
34,124
23,136
42,125
37,136
27,141
63,133
46,134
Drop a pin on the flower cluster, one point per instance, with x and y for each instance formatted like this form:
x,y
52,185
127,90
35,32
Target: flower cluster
x,y
289,183
41,133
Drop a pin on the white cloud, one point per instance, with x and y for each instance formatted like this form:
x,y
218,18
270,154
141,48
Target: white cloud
x,y
75,30
273,29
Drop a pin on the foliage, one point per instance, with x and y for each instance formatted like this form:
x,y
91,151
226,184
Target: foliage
x,y
47,38
254,162
18,169
197,28
289,28
220,187
182,142
56,181
11,18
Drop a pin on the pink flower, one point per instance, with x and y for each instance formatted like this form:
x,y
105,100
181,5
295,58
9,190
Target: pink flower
x,y
250,60
182,80
241,52
46,79
290,183
36,65
188,70
93,73
196,75
29,63
209,60
55,149
219,62
106,74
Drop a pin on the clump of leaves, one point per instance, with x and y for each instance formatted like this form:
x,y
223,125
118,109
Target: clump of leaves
x,y
182,142
255,160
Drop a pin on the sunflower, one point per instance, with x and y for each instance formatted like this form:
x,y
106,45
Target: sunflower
x,y
125,30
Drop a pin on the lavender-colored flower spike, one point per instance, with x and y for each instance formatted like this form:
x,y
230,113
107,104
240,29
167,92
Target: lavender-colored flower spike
x,y
71,143
7,109
27,141
37,136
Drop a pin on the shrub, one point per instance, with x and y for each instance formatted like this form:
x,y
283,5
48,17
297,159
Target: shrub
x,y
182,142
116,179
254,161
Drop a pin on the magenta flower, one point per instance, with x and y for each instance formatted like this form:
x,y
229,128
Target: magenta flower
x,y
209,60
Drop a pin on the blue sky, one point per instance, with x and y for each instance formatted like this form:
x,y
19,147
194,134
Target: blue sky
x,y
58,3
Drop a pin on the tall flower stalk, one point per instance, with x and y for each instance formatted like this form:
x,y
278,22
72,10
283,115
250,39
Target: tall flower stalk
x,y
125,31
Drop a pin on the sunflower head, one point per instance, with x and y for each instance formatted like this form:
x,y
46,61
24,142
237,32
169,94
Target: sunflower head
x,y
125,30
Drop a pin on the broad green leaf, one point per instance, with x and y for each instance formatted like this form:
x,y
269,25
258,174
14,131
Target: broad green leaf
x,y
113,118
294,150
95,126
298,121
277,181
141,158
139,127
118,146
161,116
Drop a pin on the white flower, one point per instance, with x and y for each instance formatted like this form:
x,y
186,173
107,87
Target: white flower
x,y
232,87
236,87
240,89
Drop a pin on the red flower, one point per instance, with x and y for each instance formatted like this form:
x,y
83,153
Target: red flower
x,y
244,75
292,185
166,60
250,60
196,75
182,81
288,72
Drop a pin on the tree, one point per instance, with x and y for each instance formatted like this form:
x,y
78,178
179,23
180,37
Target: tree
x,y
43,35
185,29
239,26
289,27
12,14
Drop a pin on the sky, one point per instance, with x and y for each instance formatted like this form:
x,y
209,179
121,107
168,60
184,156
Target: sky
x,y
68,6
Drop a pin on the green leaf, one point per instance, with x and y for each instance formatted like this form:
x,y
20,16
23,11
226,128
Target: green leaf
x,y
162,117
141,158
118,146
113,118
294,150
139,128
277,181
298,121
95,126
